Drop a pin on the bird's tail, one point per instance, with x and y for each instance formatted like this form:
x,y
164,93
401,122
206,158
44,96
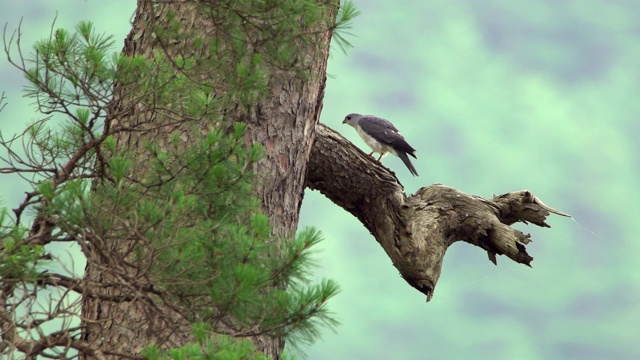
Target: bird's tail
x,y
405,159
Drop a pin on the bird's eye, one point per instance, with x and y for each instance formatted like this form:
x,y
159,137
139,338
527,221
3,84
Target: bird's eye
x,y
348,117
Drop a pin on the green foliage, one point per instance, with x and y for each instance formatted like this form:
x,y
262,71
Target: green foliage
x,y
198,226
347,13
71,69
18,261
209,346
262,40
182,211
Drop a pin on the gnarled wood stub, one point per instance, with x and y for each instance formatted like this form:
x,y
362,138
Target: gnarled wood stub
x,y
415,232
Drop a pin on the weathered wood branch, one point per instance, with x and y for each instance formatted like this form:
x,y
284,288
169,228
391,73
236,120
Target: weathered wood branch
x,y
416,231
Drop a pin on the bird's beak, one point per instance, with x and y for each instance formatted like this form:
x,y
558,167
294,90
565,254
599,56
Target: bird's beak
x,y
344,121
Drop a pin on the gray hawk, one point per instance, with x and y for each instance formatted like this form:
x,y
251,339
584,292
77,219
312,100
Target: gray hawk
x,y
382,137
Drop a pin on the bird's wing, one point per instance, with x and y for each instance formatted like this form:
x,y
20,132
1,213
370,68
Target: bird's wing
x,y
384,131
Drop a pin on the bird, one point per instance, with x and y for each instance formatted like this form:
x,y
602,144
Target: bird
x,y
382,137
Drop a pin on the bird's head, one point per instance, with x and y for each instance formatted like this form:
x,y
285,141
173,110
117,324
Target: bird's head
x,y
352,119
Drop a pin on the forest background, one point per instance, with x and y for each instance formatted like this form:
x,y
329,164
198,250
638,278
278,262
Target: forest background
x,y
496,96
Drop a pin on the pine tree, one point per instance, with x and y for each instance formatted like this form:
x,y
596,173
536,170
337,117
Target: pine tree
x,y
178,168
157,164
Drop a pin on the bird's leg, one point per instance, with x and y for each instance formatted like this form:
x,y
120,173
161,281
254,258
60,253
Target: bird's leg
x,y
371,155
380,162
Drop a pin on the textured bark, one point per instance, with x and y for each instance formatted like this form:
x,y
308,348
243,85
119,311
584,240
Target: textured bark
x,y
284,123
123,314
416,231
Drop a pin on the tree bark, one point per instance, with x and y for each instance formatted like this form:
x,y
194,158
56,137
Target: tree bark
x,y
416,231
283,122
125,314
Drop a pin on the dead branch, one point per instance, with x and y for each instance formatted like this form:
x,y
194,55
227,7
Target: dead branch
x,y
415,232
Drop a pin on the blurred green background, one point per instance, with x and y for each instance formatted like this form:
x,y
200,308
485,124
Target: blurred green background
x,y
496,96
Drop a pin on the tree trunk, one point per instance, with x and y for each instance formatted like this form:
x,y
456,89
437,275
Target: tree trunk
x,y
284,123
123,308
124,314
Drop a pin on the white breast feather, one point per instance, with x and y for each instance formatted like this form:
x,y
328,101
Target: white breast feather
x,y
374,144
